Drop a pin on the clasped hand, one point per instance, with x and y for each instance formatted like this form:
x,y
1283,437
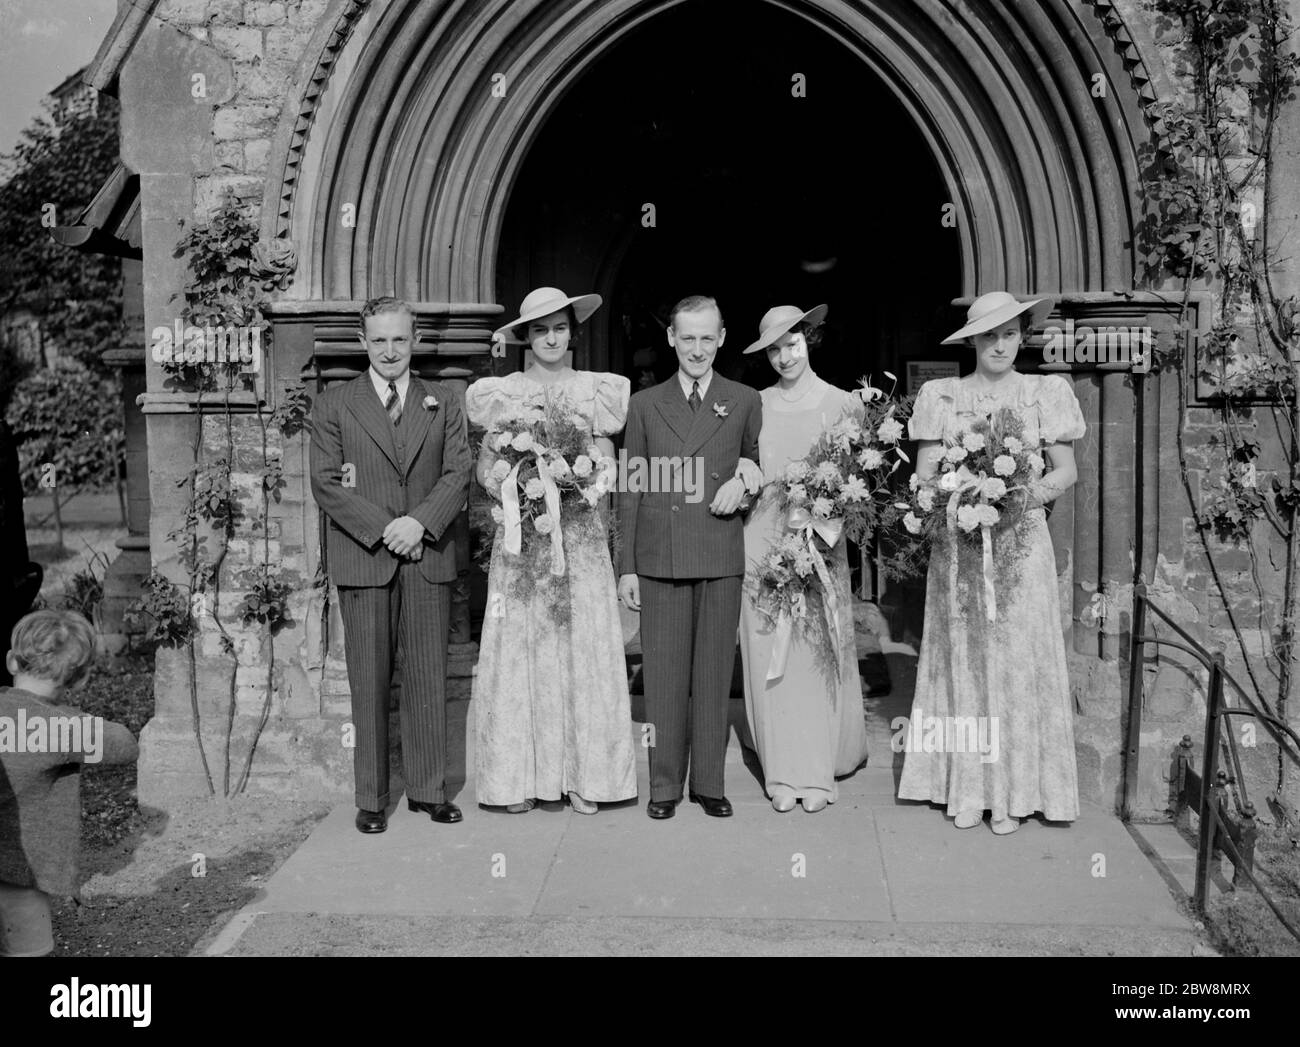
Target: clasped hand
x,y
750,474
404,536
729,497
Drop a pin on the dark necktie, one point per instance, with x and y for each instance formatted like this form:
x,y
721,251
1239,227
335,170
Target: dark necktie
x,y
694,398
393,405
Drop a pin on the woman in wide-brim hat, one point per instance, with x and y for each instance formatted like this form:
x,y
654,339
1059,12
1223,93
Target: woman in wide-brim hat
x,y
807,723
552,712
542,303
1009,673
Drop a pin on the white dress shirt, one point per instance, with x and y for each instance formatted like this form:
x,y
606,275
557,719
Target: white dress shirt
x,y
381,386
687,381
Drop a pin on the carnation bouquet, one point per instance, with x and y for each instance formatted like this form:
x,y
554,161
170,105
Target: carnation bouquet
x,y
547,464
832,493
980,493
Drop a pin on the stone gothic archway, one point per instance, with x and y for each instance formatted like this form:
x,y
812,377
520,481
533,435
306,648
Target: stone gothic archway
x,y
400,127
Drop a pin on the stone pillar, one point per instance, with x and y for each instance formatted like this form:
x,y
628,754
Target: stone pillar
x,y
1097,526
129,569
167,143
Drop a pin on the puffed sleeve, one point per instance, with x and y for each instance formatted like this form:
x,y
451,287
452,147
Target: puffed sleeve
x,y
926,422
850,403
609,408
483,401
1060,418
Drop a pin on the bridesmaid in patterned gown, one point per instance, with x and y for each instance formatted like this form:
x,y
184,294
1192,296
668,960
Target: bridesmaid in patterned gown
x,y
1010,673
552,712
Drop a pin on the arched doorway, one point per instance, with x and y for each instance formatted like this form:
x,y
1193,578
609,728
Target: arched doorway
x,y
1034,115
398,169
739,151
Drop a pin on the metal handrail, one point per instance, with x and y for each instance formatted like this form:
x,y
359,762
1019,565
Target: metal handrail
x,y
1205,658
1217,831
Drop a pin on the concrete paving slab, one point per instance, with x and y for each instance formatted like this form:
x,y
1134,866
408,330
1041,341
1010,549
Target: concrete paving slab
x,y
419,867
1090,872
1172,855
337,935
870,875
756,864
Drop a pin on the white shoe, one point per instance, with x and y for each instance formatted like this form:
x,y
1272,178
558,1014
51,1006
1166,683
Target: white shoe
x,y
580,805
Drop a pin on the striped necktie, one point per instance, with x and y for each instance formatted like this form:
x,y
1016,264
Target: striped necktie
x,y
694,398
393,405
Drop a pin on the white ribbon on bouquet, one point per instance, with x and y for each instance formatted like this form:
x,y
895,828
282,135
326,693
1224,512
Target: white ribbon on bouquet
x,y
970,482
513,520
799,519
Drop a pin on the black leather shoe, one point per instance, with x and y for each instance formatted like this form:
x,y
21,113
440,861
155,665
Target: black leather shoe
x,y
371,821
439,812
718,806
661,808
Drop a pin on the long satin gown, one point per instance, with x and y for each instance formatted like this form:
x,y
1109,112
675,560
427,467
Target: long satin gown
x,y
551,706
808,725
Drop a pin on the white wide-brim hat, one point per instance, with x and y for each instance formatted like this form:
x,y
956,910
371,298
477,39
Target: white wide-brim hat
x,y
778,320
993,310
543,302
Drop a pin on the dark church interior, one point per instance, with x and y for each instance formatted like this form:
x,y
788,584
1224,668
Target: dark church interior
x,y
780,169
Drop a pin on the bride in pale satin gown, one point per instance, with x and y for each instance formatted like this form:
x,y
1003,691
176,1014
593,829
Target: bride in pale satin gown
x,y
808,725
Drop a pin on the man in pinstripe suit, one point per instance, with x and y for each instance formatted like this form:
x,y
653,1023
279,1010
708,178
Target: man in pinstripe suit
x,y
683,559
390,468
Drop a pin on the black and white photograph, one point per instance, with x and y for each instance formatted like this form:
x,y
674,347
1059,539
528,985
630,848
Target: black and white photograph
x,y
650,478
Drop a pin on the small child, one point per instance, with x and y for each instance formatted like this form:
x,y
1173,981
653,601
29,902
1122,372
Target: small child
x,y
42,747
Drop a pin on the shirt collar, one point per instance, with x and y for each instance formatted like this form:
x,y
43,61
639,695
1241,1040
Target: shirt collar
x,y
381,385
687,381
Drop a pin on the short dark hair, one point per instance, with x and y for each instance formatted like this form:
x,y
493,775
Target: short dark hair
x,y
1026,328
695,303
385,304
520,331
812,333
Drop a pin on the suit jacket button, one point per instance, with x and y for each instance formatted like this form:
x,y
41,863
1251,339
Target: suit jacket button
x,y
714,475
677,508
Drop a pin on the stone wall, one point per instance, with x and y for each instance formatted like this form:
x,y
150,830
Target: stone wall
x,y
247,54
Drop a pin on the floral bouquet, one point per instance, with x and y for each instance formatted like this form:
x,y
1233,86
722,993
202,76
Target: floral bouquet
x,y
546,462
981,491
833,492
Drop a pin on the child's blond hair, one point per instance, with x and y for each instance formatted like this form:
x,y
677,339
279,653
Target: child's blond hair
x,y
54,645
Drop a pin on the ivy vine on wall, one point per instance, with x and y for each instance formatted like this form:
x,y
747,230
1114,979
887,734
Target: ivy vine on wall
x,y
1207,223
232,275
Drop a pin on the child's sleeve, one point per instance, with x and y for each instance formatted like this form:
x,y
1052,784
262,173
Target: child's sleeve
x,y
120,745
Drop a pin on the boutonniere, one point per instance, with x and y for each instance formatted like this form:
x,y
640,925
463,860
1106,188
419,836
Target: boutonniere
x,y
719,410
429,403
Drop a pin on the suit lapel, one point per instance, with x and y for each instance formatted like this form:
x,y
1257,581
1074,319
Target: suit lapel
x,y
672,405
417,418
364,404
706,420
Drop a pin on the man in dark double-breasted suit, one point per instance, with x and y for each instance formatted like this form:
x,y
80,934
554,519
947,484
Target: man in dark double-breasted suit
x,y
683,555
390,468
